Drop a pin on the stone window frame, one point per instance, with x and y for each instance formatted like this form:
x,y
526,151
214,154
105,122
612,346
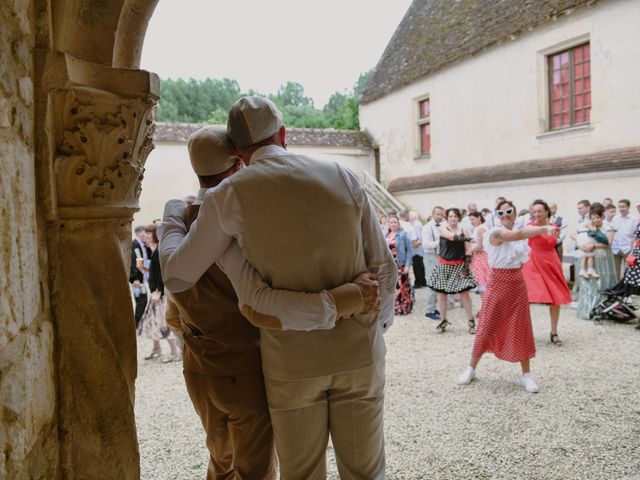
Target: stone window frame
x,y
419,122
544,94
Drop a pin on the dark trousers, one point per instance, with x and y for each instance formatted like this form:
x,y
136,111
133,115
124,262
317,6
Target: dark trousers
x,y
418,271
141,303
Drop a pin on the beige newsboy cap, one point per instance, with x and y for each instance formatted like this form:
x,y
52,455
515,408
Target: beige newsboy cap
x,y
210,151
253,119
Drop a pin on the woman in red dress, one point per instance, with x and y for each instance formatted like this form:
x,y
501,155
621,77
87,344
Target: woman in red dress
x,y
505,319
543,271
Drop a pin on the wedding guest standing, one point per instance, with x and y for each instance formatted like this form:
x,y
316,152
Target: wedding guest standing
x,y
400,246
431,243
590,288
505,318
624,225
543,272
418,252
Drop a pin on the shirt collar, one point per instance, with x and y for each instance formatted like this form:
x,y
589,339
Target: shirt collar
x,y
266,151
201,194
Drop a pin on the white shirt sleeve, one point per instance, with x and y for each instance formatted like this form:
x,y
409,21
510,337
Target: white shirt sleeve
x,y
184,257
295,310
430,238
376,251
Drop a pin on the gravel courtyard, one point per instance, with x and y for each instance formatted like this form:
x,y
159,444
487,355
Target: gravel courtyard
x,y
584,423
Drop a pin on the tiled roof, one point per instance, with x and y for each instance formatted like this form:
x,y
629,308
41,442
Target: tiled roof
x,y
610,160
434,33
326,137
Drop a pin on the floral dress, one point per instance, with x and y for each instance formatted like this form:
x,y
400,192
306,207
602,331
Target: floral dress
x,y
404,293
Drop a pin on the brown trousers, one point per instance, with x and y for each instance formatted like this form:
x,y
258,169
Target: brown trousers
x,y
235,417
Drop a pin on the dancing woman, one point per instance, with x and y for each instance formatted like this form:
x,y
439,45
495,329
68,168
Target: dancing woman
x,y
543,271
479,263
452,274
505,319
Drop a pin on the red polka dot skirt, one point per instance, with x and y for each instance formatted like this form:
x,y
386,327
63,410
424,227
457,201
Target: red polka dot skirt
x,y
504,327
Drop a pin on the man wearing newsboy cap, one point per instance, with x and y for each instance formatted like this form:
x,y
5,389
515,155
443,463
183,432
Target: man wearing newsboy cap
x,y
305,225
222,367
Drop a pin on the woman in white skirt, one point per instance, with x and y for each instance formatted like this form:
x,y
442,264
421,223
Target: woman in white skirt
x,y
452,274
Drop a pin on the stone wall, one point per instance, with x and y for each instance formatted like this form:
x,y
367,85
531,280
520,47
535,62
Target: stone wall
x,y
28,428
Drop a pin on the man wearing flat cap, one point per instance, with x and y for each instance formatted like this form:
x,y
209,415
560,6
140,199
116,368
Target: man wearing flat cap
x,y
222,365
305,225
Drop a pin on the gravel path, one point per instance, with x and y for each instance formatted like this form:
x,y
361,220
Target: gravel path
x,y
584,423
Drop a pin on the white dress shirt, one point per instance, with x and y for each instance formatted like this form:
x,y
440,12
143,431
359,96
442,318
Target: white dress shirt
x,y
295,310
430,237
186,256
625,228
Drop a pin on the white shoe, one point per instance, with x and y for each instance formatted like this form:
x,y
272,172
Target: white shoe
x,y
467,376
529,383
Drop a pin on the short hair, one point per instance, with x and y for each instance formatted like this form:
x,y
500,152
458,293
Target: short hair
x,y
607,198
544,205
454,210
477,215
625,201
437,207
585,203
500,199
403,213
138,229
611,206
485,210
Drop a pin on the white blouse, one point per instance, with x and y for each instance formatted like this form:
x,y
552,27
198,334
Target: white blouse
x,y
507,254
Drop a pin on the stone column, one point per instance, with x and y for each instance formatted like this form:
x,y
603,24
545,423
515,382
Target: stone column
x,y
99,135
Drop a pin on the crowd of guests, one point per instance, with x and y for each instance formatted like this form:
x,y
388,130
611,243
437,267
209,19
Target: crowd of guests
x,y
147,288
512,259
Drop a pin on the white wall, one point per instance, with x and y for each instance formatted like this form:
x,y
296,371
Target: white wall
x,y
168,173
490,109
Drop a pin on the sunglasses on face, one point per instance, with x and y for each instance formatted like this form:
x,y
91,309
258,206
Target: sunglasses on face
x,y
508,211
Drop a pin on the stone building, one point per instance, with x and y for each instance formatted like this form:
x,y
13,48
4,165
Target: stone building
x,y
170,160
473,99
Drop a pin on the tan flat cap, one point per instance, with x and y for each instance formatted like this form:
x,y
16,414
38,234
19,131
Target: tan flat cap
x,y
210,151
253,119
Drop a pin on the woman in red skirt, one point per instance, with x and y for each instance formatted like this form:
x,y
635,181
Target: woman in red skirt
x,y
543,271
505,319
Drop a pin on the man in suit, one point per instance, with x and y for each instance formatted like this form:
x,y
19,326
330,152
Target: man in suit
x,y
305,225
138,273
222,366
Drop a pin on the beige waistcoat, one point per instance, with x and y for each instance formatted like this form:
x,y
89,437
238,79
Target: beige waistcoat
x,y
302,231
219,340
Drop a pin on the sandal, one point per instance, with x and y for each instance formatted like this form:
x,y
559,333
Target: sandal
x,y
153,354
442,326
472,326
555,339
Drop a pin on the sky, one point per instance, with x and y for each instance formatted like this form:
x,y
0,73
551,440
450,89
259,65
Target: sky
x,y
323,45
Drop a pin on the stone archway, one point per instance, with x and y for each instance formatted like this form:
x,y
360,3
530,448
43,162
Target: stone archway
x,y
93,130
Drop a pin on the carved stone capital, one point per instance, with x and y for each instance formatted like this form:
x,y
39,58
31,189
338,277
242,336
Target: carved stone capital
x,y
101,141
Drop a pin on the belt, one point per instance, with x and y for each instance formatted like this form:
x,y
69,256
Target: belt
x,y
450,262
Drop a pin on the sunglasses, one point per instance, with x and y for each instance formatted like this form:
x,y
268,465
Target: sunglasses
x,y
508,211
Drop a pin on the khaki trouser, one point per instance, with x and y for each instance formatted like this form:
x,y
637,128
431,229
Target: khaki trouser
x,y
234,414
349,406
620,261
430,263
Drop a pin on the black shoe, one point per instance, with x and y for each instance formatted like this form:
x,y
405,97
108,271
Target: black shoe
x,y
442,326
472,326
